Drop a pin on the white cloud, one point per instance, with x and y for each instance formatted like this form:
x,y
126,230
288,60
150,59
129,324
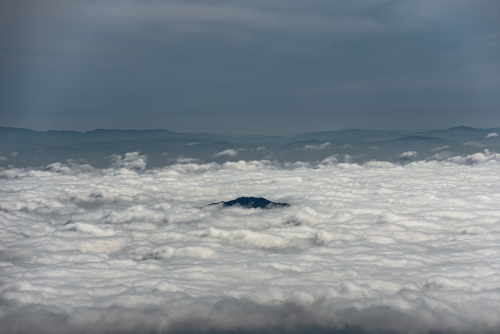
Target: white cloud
x,y
493,134
379,164
2,158
410,155
183,160
477,158
331,160
229,152
440,148
317,147
387,247
440,156
473,143
131,160
14,154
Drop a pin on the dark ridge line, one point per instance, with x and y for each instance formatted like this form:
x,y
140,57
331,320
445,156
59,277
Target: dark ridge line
x,y
251,203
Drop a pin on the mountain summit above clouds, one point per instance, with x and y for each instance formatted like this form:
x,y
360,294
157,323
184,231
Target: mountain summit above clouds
x,y
252,203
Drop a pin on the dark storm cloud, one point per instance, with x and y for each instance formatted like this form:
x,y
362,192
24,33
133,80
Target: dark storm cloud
x,y
249,66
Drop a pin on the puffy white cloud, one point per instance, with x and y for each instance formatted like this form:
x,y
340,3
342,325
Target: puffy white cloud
x,y
477,158
382,246
229,152
131,160
493,134
331,160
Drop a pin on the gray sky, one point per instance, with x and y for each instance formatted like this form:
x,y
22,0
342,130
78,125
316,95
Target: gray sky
x,y
268,66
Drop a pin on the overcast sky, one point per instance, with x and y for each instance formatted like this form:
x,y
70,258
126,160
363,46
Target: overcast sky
x,y
253,66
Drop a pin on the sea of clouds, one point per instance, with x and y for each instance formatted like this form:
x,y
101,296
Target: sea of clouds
x,y
377,247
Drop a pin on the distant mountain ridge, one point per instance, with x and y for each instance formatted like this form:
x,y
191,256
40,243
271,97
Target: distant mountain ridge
x,y
148,134
28,148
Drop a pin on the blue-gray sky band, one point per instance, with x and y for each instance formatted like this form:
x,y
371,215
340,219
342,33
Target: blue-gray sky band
x,y
249,66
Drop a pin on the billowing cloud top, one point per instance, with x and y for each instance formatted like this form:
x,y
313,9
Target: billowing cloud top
x,y
380,247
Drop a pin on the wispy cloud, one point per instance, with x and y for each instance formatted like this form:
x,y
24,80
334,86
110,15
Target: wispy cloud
x,y
440,148
317,147
409,155
473,143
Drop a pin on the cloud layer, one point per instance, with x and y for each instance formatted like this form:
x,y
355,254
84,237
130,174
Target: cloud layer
x,y
382,247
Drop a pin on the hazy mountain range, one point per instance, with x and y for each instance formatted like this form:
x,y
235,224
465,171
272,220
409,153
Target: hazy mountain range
x,y
28,148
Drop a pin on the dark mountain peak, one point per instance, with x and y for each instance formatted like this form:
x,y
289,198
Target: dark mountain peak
x,y
462,127
418,137
11,129
128,131
252,203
